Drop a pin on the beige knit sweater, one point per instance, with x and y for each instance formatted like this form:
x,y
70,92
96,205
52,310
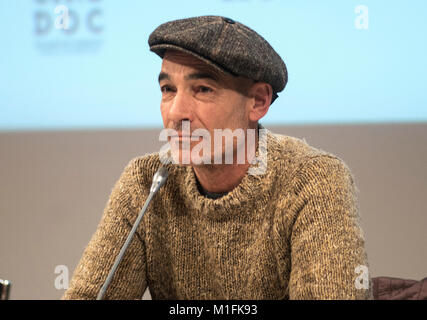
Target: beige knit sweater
x,y
291,233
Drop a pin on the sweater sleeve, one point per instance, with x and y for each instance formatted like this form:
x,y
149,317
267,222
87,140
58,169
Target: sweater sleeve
x,y
129,281
328,257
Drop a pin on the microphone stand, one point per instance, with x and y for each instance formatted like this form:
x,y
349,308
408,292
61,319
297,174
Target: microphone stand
x,y
159,180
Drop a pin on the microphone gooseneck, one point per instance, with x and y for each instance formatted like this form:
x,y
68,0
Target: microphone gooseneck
x,y
159,180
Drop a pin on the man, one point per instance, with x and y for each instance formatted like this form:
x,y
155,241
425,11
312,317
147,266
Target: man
x,y
221,230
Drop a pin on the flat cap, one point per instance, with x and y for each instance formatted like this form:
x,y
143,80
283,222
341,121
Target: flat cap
x,y
225,44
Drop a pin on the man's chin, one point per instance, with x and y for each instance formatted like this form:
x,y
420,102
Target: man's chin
x,y
190,163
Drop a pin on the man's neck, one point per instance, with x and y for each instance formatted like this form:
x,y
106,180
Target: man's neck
x,y
223,177
220,178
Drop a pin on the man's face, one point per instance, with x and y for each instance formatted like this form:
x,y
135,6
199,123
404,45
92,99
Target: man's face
x,y
194,91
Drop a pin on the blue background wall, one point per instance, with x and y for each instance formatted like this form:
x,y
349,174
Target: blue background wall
x,y
101,74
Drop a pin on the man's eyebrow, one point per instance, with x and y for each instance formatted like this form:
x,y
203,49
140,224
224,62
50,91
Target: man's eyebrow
x,y
192,76
163,76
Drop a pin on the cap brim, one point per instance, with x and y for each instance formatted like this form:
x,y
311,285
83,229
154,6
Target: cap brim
x,y
160,50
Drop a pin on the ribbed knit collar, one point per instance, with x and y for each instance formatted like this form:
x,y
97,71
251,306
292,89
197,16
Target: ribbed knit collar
x,y
242,200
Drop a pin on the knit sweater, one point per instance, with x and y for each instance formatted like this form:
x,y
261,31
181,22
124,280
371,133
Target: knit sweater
x,y
290,233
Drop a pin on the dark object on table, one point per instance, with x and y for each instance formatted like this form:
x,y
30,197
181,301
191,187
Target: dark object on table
x,y
388,288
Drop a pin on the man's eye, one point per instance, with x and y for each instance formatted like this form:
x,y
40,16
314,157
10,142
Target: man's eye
x,y
204,89
165,89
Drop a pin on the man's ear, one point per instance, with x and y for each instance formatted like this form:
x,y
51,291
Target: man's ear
x,y
262,94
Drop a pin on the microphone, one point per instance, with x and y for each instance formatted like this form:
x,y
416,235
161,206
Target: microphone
x,y
159,180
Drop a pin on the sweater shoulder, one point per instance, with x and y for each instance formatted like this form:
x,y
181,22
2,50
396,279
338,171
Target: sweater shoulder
x,y
293,154
143,168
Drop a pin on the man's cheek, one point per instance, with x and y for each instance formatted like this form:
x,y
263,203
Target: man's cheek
x,y
164,112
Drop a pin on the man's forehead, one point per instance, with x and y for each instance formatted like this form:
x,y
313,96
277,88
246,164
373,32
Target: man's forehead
x,y
179,60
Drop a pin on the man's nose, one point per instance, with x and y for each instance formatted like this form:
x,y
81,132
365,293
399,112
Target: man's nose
x,y
181,108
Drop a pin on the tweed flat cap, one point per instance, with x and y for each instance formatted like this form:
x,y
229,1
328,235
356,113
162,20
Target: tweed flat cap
x,y
225,44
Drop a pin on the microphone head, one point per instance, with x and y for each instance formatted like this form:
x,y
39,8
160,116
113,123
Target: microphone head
x,y
159,179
